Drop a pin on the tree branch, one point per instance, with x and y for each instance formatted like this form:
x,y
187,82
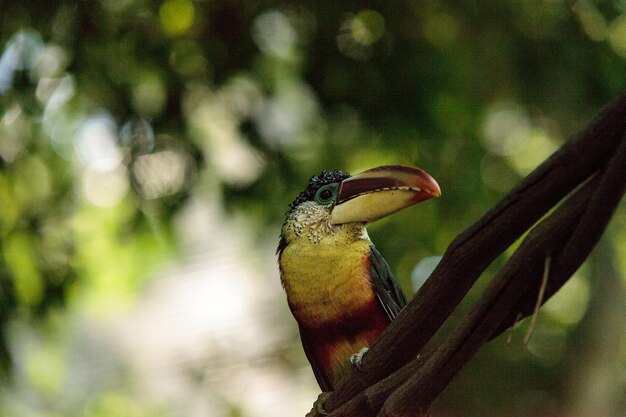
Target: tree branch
x,y
568,235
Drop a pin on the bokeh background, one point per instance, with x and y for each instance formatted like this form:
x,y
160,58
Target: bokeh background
x,y
149,150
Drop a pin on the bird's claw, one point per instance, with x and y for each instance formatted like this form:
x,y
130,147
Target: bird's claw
x,y
318,406
356,359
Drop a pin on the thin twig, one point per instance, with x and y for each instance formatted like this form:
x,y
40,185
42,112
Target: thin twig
x,y
511,329
540,296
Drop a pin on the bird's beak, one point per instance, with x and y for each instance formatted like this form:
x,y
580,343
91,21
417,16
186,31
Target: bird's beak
x,y
381,191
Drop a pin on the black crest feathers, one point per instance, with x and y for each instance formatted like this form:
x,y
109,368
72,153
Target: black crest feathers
x,y
317,181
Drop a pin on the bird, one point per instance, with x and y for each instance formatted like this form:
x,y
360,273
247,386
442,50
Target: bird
x,y
339,288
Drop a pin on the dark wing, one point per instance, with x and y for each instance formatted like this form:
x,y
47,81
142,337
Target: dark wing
x,y
385,285
322,379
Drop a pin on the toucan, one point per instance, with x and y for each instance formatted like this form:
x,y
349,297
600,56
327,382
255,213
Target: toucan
x,y
339,288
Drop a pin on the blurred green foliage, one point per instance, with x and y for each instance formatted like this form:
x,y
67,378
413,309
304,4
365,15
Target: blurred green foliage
x,y
114,113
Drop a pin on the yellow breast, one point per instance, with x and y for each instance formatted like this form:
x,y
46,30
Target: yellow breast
x,y
326,279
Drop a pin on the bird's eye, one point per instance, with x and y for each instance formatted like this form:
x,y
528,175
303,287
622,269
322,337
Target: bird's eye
x,y
326,194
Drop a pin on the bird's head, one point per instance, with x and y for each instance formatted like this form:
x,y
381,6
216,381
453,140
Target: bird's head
x,y
335,202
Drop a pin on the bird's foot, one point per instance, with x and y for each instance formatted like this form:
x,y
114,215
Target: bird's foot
x,y
318,406
355,359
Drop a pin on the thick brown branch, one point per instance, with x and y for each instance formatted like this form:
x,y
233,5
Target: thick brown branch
x,y
524,269
568,235
589,229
